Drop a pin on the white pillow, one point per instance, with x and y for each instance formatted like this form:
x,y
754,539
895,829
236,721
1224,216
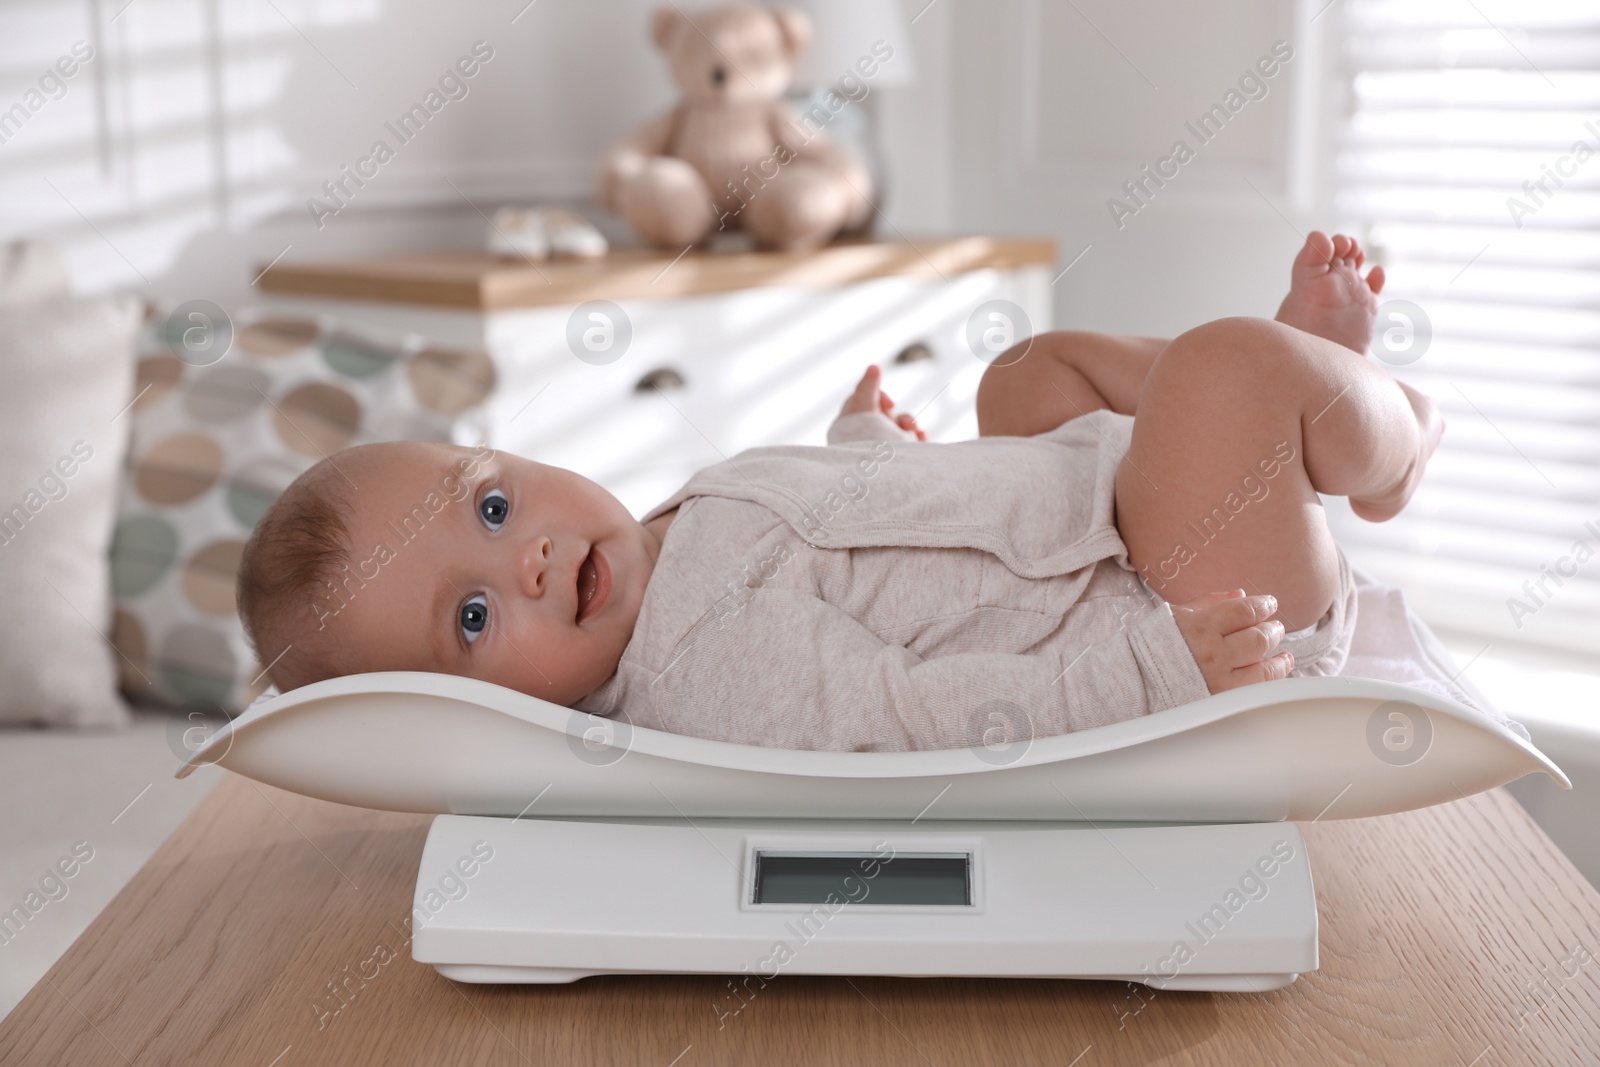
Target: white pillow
x,y
66,368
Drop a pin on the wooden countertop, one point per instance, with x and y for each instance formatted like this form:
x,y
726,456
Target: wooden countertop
x,y
1448,937
481,282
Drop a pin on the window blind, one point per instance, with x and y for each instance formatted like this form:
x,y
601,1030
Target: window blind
x,y
1469,157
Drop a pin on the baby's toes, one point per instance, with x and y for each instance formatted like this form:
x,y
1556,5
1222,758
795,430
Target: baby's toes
x,y
1314,258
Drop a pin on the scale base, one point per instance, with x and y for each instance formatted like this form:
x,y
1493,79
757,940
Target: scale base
x,y
1219,907
491,974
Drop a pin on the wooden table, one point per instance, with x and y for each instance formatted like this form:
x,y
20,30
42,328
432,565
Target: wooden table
x,y
1454,935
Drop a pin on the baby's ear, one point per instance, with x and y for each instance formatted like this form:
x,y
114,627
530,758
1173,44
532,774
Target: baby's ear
x,y
796,29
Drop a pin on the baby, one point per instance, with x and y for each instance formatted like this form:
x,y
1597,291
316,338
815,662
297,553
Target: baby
x,y
1137,525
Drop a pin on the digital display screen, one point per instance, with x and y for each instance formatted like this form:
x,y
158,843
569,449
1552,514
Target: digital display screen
x,y
863,878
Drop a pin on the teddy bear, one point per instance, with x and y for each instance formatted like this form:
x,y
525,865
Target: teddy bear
x,y
732,153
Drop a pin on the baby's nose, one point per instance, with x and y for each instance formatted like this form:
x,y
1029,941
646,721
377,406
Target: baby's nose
x,y
533,561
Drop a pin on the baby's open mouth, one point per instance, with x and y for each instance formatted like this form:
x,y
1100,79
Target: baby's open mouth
x,y
588,583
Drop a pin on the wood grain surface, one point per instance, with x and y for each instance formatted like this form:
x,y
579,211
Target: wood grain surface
x,y
1454,935
478,281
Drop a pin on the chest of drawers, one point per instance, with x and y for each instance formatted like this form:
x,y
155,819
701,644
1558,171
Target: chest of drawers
x,y
639,369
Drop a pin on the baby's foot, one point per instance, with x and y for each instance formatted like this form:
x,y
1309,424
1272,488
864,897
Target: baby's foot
x,y
1431,424
1328,296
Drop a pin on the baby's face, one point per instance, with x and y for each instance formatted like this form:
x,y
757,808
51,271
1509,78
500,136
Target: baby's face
x,y
491,566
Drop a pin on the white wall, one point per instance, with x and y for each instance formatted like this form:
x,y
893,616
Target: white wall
x,y
194,138
1056,105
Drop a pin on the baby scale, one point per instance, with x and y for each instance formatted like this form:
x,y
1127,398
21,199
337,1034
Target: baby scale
x,y
1159,850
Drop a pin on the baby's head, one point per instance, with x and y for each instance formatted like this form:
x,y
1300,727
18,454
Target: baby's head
x,y
413,556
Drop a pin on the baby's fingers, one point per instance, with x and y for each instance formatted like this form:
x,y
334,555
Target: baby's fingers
x,y
1241,612
862,398
1206,600
909,424
1268,670
1252,644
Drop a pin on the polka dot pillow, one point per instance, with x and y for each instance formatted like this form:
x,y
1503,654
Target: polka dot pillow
x,y
213,444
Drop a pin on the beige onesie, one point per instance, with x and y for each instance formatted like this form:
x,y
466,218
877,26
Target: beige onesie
x,y
883,594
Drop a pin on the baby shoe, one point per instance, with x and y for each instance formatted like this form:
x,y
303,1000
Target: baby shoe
x,y
519,233
570,234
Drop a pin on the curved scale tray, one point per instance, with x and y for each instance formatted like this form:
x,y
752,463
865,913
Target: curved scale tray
x,y
1298,748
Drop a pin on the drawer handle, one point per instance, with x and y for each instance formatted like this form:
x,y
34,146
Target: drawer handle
x,y
915,352
660,380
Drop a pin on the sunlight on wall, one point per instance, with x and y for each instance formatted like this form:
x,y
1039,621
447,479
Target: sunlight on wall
x,y
169,130
1471,163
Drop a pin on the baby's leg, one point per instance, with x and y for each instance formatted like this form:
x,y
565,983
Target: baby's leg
x,y
1240,424
1040,383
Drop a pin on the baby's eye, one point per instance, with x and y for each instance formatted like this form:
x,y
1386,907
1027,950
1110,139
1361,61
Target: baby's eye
x,y
474,617
494,509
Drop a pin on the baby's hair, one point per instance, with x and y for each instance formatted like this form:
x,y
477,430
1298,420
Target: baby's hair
x,y
295,570
291,560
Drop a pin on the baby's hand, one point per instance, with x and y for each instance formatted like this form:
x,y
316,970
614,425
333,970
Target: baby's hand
x,y
1229,640
868,397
